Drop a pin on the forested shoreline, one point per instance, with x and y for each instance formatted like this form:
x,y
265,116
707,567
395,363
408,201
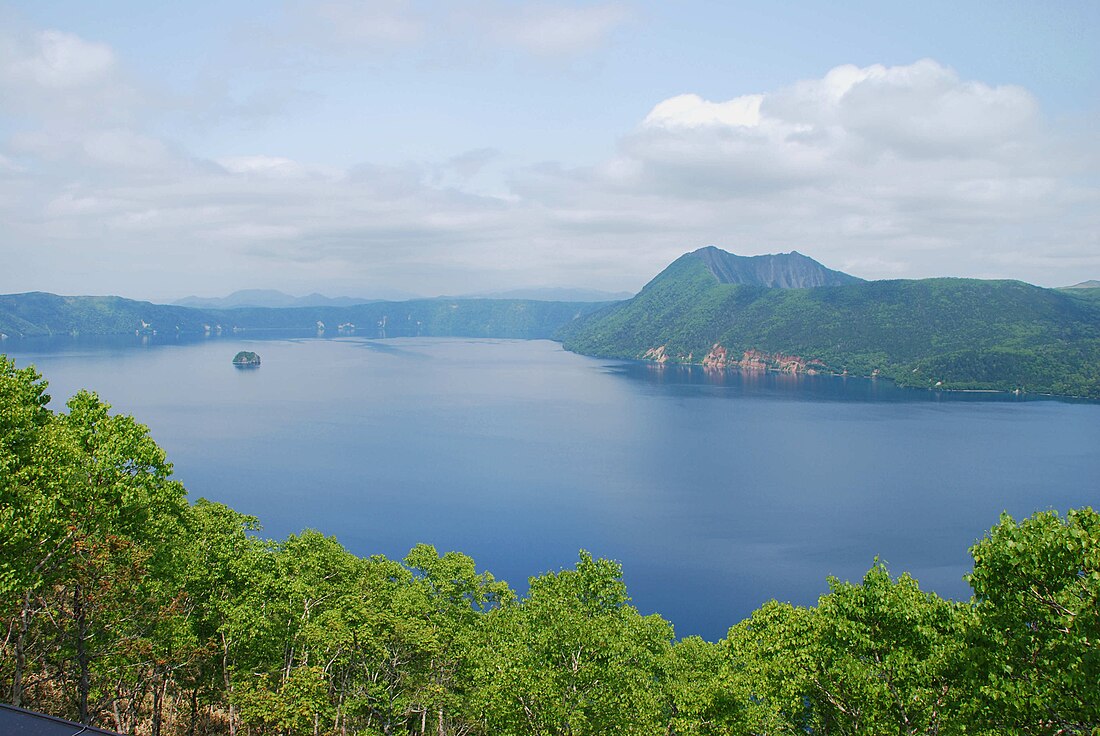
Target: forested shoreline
x,y
128,607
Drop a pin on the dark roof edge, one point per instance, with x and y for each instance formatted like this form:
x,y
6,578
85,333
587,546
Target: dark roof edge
x,y
78,727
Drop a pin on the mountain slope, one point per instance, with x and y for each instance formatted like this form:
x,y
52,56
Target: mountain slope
x,y
39,314
955,333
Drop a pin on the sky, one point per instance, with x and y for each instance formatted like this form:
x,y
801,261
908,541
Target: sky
x,y
390,148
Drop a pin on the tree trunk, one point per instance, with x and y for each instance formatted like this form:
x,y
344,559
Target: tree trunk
x,y
158,705
228,686
21,651
85,685
194,711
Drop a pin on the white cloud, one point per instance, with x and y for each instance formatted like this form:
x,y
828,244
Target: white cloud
x,y
271,167
463,28
883,171
902,170
554,29
692,111
57,60
348,25
62,80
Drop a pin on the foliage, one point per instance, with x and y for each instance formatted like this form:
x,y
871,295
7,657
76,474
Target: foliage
x,y
573,658
1036,648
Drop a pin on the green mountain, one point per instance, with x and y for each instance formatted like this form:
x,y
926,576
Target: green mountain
x,y
948,333
39,314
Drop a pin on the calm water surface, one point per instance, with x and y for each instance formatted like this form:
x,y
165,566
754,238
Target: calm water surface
x,y
716,492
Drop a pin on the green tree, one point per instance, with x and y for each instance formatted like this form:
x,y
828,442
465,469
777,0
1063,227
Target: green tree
x,y
574,658
888,657
878,657
34,531
703,697
1036,646
773,665
229,580
129,520
457,597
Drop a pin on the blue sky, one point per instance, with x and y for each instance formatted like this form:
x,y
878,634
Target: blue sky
x,y
155,150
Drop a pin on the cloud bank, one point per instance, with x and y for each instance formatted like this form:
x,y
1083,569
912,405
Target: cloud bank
x,y
901,171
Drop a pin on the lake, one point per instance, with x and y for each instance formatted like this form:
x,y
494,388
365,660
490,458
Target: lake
x,y
716,491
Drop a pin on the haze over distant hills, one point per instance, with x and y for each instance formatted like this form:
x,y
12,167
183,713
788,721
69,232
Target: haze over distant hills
x,y
555,294
1090,284
272,298
268,298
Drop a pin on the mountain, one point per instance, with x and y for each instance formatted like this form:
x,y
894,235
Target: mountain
x,y
41,314
1091,284
947,333
783,270
267,298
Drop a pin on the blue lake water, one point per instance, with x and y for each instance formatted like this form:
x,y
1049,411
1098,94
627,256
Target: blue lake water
x,y
716,492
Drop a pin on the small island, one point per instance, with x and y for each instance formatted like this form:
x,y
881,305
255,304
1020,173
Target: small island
x,y
246,359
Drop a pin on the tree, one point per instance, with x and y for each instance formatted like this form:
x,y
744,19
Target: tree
x,y
34,533
703,697
457,597
1036,645
90,526
229,580
128,522
888,657
773,664
574,658
882,656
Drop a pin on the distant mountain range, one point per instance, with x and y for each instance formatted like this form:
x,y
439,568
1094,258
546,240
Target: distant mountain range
x,y
268,298
555,294
787,312
274,299
1091,284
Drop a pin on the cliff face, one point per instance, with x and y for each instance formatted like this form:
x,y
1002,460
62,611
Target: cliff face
x,y
719,358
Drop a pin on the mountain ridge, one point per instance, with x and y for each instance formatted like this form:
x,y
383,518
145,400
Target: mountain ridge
x,y
775,270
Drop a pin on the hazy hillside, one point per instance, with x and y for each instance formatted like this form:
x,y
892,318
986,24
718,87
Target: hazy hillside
x,y
953,333
38,314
